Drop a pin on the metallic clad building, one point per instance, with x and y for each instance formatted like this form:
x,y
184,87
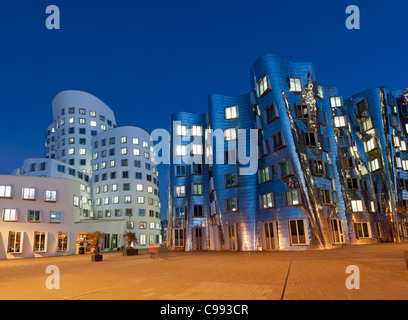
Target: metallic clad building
x,y
329,170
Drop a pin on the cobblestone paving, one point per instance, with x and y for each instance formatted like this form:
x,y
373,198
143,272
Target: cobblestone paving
x,y
310,275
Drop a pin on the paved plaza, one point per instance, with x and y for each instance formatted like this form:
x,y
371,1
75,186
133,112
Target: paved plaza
x,y
203,275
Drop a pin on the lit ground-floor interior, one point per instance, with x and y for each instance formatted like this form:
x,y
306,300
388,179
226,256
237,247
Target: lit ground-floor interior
x,y
203,275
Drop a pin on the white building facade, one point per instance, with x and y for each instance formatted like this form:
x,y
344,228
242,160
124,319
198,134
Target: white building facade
x,y
95,177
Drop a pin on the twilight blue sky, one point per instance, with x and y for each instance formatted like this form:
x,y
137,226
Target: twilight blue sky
x,y
148,59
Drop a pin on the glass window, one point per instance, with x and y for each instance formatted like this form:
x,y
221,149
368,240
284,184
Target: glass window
x,y
10,215
29,193
34,216
6,191
263,86
335,102
298,232
295,85
231,204
55,217
231,112
292,197
267,200
230,134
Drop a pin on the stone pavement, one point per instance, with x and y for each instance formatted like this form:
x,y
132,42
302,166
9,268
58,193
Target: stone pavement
x,y
305,275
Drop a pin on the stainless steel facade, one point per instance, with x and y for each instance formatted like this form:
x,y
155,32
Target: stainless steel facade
x,y
330,170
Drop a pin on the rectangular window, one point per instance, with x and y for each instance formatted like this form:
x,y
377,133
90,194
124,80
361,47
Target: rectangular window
x,y
362,230
310,139
298,232
263,86
370,145
197,168
286,169
267,200
265,175
303,111
198,211
15,244
230,134
197,149
292,198
180,191
6,191
278,141
231,180
325,196
271,112
196,131
375,164
318,167
352,183
347,162
181,130
336,102
179,212
34,216
231,205
340,121
10,215
404,165
197,189
231,112
50,195
62,241
40,240
295,85
29,193
181,150
55,217
357,206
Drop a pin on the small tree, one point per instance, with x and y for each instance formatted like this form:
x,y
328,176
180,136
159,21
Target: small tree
x,y
96,238
129,237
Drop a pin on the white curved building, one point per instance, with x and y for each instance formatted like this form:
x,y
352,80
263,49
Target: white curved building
x,y
125,184
95,177
77,117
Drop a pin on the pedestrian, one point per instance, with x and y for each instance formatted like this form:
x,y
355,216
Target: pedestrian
x,y
153,250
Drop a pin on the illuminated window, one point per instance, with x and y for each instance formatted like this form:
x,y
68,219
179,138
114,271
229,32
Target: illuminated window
x,y
62,241
405,165
267,200
335,102
295,85
6,191
263,86
196,131
197,189
10,215
181,130
231,112
292,197
230,134
50,195
370,145
181,150
197,149
135,141
375,164
180,191
29,193
15,242
340,121
123,150
357,206
40,241
92,123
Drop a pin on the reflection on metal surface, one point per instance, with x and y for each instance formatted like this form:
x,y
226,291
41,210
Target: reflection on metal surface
x,y
330,171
